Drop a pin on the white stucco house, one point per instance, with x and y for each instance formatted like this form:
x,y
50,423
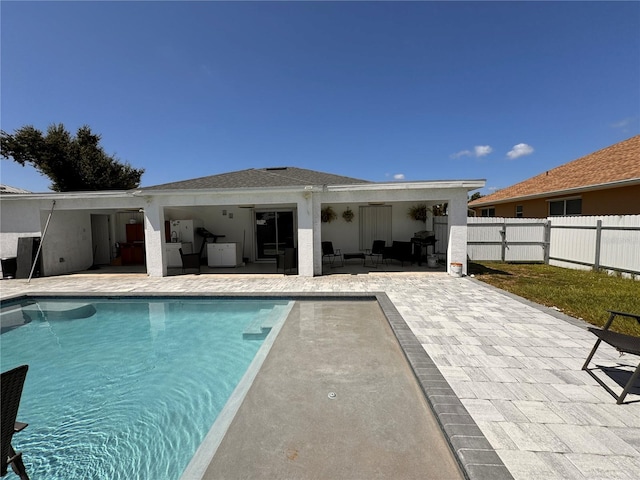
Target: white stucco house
x,y
258,210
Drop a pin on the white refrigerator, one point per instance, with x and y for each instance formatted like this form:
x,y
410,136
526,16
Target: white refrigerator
x,y
184,231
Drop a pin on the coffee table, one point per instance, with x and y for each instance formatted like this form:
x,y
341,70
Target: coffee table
x,y
349,256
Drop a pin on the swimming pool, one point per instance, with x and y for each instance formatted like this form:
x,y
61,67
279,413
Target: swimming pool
x,y
127,385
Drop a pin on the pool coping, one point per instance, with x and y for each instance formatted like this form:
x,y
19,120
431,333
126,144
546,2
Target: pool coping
x,y
477,459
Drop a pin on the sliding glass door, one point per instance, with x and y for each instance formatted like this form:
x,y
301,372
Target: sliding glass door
x,y
275,230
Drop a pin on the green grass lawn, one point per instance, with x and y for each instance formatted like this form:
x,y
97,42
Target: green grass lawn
x,y
581,294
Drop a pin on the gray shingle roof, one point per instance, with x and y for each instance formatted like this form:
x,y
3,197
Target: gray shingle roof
x,y
260,178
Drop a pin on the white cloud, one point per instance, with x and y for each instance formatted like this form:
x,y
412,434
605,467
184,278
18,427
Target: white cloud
x,y
482,150
398,176
478,151
623,124
463,153
520,150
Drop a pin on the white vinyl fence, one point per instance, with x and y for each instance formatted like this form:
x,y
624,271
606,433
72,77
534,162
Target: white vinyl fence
x,y
507,239
441,230
605,242
600,243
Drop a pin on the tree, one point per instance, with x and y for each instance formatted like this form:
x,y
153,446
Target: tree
x,y
475,196
72,163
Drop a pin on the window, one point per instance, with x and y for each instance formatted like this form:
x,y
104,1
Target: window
x,y
573,207
570,206
488,212
519,211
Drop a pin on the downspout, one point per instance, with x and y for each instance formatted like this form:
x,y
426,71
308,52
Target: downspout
x,y
44,233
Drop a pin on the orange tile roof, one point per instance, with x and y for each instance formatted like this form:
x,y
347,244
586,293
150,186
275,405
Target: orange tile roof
x,y
612,164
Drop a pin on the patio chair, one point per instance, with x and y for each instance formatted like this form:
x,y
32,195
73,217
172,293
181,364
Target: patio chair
x,y
190,260
10,393
621,342
376,252
328,251
400,251
287,260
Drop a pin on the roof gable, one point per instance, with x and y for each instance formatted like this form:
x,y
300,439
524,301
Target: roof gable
x,y
616,163
260,178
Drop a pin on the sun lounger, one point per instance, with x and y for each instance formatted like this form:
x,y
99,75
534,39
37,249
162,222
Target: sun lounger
x,y
623,343
11,391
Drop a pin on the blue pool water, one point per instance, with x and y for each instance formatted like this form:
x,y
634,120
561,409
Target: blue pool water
x,y
127,388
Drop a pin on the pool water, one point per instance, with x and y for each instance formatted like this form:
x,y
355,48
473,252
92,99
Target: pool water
x,y
127,388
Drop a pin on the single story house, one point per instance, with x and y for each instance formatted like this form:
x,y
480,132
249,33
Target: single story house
x,y
606,182
255,212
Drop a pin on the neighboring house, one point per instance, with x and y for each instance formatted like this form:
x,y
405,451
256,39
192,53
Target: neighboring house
x,y
9,189
260,211
606,182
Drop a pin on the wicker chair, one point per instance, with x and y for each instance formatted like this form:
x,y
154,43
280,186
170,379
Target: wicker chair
x,y
11,391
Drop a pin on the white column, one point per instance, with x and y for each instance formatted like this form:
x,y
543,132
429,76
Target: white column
x,y
154,240
457,249
317,235
305,236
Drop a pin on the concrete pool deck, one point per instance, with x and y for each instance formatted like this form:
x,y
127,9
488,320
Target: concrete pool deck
x,y
511,367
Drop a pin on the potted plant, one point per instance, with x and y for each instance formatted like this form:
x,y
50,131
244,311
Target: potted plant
x,y
348,215
327,214
418,212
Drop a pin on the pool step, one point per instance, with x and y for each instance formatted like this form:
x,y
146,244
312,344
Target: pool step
x,y
12,317
259,328
274,316
254,330
44,310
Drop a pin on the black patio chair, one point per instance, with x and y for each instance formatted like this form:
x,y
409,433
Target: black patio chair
x,y
287,260
621,342
376,253
190,260
331,254
10,393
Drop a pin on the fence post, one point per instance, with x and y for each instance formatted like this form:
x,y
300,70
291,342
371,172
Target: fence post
x,y
596,262
547,241
503,233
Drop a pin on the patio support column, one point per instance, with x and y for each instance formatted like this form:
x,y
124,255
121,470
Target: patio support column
x,y
305,235
153,240
457,248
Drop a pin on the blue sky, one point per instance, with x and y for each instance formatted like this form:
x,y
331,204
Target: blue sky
x,y
376,90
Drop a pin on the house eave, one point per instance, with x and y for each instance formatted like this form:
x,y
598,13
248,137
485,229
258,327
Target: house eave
x,y
439,184
357,187
66,195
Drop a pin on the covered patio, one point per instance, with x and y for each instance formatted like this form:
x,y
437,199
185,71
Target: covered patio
x,y
241,220
350,267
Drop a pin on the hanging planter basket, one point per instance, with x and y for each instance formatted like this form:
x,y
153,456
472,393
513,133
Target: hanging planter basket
x,y
327,215
418,212
348,215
